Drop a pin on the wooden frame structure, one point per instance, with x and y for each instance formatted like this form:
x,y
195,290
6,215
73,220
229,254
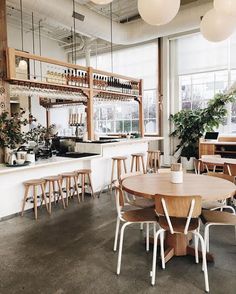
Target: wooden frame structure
x,y
90,92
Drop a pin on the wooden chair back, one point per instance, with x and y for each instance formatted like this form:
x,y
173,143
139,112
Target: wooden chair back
x,y
222,176
186,207
230,169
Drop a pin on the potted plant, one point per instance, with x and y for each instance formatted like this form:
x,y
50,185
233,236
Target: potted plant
x,y
11,135
191,125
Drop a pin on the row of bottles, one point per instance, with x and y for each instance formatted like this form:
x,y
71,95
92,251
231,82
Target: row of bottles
x,y
115,85
78,78
67,77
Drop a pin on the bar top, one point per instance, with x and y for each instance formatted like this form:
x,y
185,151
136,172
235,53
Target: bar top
x,y
44,162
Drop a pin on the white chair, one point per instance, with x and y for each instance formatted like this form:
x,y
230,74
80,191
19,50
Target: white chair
x,y
209,166
178,215
137,216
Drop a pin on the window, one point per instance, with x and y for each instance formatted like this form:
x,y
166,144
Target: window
x,y
201,69
138,62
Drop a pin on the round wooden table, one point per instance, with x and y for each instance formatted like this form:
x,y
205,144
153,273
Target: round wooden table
x,y
209,188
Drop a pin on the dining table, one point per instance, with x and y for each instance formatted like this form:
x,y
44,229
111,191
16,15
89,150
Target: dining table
x,y
208,187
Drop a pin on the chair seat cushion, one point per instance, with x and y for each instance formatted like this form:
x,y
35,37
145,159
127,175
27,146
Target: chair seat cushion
x,y
142,202
140,215
178,224
220,217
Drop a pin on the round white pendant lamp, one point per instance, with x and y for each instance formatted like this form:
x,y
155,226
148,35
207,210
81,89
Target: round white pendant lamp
x,y
226,6
158,12
23,64
216,26
101,2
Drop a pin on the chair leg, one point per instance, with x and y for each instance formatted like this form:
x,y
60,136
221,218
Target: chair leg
x,y
117,233
24,200
207,237
121,246
162,235
147,237
196,248
154,259
204,262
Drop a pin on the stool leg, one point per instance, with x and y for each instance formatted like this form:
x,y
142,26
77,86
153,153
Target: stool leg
x,y
143,165
61,193
132,164
35,203
50,196
67,191
112,173
44,196
54,192
25,198
125,168
76,188
137,164
148,163
119,169
83,185
91,186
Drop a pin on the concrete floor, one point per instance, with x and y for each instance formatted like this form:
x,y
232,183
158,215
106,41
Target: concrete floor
x,y
71,252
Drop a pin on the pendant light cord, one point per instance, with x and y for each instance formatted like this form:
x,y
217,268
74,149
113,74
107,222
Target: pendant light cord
x,y
22,31
111,37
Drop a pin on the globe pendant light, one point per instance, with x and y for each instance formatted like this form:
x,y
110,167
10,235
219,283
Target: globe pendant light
x,y
101,2
226,6
158,12
216,26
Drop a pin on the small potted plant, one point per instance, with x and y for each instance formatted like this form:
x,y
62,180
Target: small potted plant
x,y
11,135
191,125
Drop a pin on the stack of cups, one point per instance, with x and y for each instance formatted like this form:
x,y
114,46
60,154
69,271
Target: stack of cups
x,y
176,173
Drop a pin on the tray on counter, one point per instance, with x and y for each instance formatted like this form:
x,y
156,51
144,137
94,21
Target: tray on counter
x,y
18,165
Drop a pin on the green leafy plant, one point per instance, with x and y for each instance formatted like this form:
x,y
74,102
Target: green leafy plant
x,y
191,125
11,135
40,133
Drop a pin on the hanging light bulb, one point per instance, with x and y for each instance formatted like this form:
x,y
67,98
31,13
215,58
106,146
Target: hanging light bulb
x,y
101,2
158,12
23,64
226,6
216,26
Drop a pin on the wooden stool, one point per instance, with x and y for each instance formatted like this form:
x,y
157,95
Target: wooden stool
x,y
51,183
136,159
34,184
118,161
82,173
69,178
153,160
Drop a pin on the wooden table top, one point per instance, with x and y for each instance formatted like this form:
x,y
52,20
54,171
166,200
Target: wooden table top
x,y
209,188
219,161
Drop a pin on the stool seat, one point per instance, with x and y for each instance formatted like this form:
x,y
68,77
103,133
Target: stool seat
x,y
35,182
68,175
53,178
119,158
154,151
84,171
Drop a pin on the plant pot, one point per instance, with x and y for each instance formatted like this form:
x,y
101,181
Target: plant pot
x,y
187,164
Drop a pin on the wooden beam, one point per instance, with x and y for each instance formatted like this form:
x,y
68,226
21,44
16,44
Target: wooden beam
x,y
90,120
4,93
141,111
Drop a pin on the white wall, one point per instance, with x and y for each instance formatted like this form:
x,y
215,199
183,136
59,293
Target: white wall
x,y
50,49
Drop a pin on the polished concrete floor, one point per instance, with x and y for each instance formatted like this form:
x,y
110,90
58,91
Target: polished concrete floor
x,y
71,252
